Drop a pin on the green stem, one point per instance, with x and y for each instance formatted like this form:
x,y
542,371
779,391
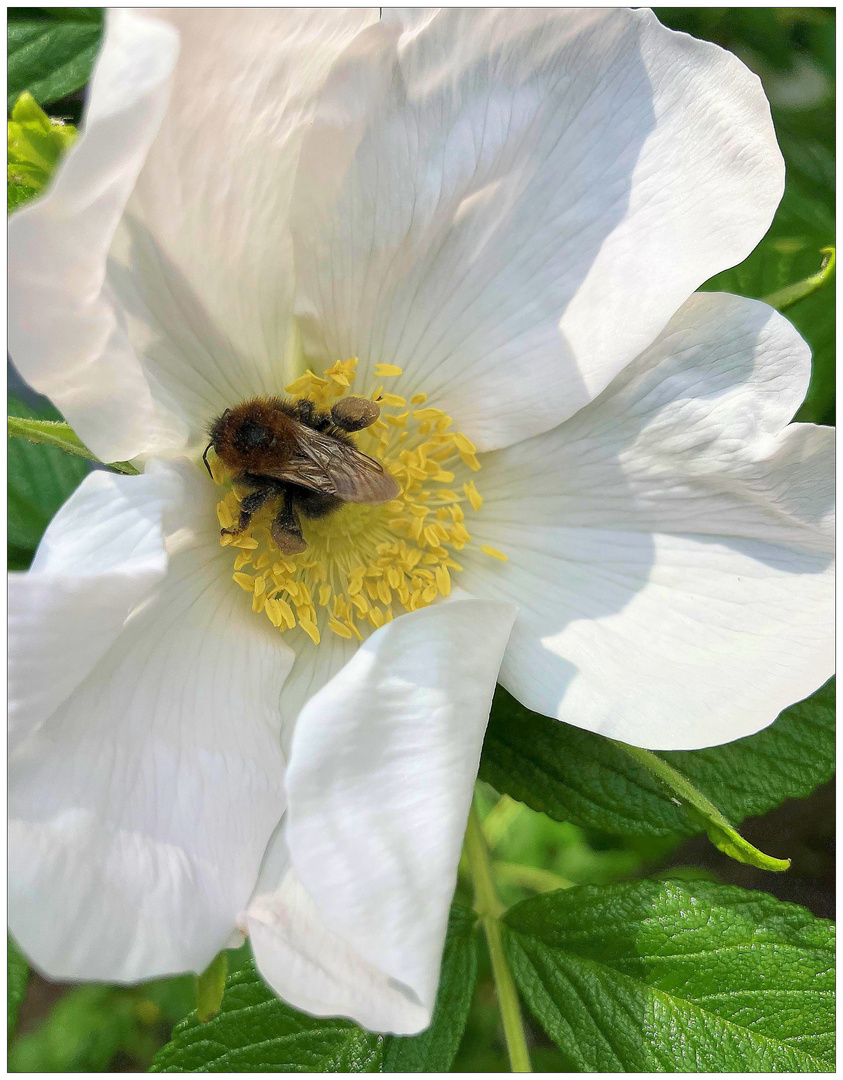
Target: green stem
x,y
499,819
210,986
63,437
488,906
721,832
530,877
785,298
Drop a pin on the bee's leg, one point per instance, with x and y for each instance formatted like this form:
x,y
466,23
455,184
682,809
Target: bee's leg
x,y
307,413
248,508
355,413
286,528
304,409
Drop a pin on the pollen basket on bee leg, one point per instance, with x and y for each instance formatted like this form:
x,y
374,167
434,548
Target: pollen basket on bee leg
x,y
364,564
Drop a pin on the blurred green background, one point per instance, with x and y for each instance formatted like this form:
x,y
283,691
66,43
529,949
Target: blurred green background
x,y
95,1028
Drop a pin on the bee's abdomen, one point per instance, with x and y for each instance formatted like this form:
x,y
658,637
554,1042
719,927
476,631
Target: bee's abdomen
x,y
313,504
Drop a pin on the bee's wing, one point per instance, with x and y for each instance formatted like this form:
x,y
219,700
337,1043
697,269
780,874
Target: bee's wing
x,y
331,467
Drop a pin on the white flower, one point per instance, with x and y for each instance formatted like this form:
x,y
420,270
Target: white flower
x,y
512,208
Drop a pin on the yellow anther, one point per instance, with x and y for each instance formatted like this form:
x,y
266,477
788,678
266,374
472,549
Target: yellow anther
x,y
217,468
365,563
360,603
464,445
306,383
430,415
460,533
311,629
495,554
473,495
225,516
432,536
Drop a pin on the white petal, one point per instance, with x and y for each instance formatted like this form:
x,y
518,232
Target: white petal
x,y
64,333
101,555
204,267
510,204
692,437
314,968
141,809
313,667
670,546
666,642
379,785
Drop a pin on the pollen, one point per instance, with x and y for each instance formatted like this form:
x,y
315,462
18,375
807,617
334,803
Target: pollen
x,y
365,564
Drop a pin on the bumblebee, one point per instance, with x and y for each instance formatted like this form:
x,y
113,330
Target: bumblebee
x,y
303,458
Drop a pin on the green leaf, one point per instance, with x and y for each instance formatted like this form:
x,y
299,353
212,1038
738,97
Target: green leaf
x,y
18,194
677,976
51,51
17,970
255,1032
35,143
40,479
82,1033
576,776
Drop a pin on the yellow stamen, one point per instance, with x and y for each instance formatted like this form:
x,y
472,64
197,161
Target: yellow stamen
x,y
473,495
365,564
495,554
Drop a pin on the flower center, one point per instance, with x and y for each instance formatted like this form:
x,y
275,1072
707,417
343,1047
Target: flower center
x,y
364,564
